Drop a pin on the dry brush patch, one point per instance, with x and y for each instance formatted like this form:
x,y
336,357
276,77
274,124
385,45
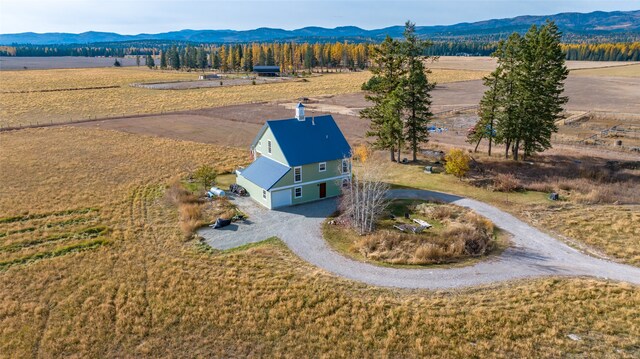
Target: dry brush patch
x,y
456,235
592,192
152,294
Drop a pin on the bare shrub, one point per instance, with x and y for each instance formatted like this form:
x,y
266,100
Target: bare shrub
x,y
596,173
596,196
442,212
505,182
540,186
476,242
364,199
189,207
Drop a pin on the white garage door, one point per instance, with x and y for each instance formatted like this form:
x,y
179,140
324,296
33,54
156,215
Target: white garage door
x,y
281,198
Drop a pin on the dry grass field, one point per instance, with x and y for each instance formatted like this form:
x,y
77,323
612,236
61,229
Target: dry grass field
x,y
60,106
614,71
486,63
150,293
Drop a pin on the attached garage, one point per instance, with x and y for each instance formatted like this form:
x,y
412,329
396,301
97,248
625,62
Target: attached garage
x,y
281,198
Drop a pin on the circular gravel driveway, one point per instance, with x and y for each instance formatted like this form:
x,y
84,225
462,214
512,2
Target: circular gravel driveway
x,y
533,253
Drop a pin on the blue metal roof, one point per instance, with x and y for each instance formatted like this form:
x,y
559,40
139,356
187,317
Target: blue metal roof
x,y
317,139
264,172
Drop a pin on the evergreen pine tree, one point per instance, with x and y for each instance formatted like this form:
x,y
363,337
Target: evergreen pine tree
x,y
150,62
488,110
386,124
414,90
163,60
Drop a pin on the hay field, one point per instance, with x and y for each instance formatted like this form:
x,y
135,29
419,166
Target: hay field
x,y
151,294
60,106
487,63
617,71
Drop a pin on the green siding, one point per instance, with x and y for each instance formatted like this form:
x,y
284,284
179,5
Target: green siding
x,y
310,173
254,191
311,192
276,152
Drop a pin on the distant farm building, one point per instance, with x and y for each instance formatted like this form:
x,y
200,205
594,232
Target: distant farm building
x,y
266,70
209,77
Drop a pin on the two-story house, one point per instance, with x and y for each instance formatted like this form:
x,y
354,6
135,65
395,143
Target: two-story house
x,y
297,160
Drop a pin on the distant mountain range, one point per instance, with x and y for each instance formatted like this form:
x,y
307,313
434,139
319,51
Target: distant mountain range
x,y
595,24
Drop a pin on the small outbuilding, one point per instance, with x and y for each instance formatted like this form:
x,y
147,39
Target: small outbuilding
x,y
270,71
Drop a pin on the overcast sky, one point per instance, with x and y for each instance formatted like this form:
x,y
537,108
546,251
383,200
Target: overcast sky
x,y
152,16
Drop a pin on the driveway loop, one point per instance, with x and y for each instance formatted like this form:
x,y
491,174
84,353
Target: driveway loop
x,y
533,253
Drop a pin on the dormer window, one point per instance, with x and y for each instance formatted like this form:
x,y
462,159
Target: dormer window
x,y
269,146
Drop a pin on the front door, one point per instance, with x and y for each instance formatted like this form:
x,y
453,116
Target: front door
x,y
323,190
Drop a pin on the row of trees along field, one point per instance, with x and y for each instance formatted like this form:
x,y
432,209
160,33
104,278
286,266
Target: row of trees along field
x,y
291,57
304,55
400,92
524,94
603,52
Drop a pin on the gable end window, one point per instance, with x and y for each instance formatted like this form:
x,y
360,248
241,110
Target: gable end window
x,y
297,174
264,194
297,192
345,166
269,146
345,182
322,166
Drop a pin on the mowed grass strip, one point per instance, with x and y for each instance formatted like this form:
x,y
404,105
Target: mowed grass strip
x,y
71,248
91,232
63,106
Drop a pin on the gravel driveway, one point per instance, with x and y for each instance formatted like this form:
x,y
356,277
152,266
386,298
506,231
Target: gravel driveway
x,y
533,253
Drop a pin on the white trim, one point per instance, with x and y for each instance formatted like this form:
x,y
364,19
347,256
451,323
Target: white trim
x,y
273,159
294,174
346,175
325,167
294,192
344,160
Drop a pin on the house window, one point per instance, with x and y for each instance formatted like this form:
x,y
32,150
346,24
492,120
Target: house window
x,y
260,143
297,192
264,194
269,146
322,166
345,166
345,182
297,174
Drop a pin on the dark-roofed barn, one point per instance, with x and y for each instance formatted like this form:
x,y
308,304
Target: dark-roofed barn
x,y
266,70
